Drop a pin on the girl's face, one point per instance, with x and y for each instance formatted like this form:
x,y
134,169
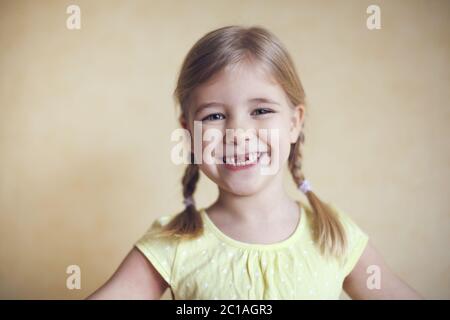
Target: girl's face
x,y
257,126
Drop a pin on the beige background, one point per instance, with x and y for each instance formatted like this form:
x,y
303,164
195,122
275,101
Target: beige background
x,y
86,118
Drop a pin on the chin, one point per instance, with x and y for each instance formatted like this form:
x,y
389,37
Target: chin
x,y
241,190
242,187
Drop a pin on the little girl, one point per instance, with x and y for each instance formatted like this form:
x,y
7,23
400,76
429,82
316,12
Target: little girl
x,y
254,241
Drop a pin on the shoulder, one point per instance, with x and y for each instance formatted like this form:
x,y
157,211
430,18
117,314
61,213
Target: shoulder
x,y
161,221
153,235
153,229
348,223
345,218
159,250
357,238
351,228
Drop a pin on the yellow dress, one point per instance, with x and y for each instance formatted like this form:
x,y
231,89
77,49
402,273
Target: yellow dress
x,y
215,266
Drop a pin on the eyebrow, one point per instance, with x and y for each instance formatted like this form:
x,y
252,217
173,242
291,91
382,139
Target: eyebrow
x,y
213,103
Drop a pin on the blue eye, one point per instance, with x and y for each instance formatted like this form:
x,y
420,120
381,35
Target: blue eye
x,y
261,111
213,117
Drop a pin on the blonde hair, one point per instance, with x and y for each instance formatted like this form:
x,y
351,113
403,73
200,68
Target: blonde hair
x,y
209,55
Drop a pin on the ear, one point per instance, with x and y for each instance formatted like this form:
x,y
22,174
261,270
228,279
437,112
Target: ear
x,y
297,118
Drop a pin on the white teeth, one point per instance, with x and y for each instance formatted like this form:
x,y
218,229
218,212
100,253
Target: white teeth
x,y
230,160
252,158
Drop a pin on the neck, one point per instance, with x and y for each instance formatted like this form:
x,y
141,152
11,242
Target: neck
x,y
265,205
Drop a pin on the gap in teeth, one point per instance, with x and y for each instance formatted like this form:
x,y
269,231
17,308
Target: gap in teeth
x,y
250,158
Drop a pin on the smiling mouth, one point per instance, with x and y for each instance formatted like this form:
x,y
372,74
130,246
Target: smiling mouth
x,y
243,160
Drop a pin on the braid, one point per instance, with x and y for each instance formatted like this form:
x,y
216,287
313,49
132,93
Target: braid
x,y
328,232
190,179
187,223
295,161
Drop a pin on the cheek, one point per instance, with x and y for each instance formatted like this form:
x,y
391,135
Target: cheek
x,y
285,148
282,148
211,153
211,148
211,144
278,140
284,137
271,123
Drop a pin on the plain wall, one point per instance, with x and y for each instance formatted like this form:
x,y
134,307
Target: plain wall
x,y
86,117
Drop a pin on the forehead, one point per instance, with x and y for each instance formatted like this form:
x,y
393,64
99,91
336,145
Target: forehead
x,y
240,82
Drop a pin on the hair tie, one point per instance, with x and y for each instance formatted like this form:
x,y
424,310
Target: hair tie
x,y
189,201
305,186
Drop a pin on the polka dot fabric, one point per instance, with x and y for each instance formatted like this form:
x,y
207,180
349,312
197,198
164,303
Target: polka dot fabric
x,y
215,266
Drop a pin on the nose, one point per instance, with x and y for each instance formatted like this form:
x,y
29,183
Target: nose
x,y
238,133
236,136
